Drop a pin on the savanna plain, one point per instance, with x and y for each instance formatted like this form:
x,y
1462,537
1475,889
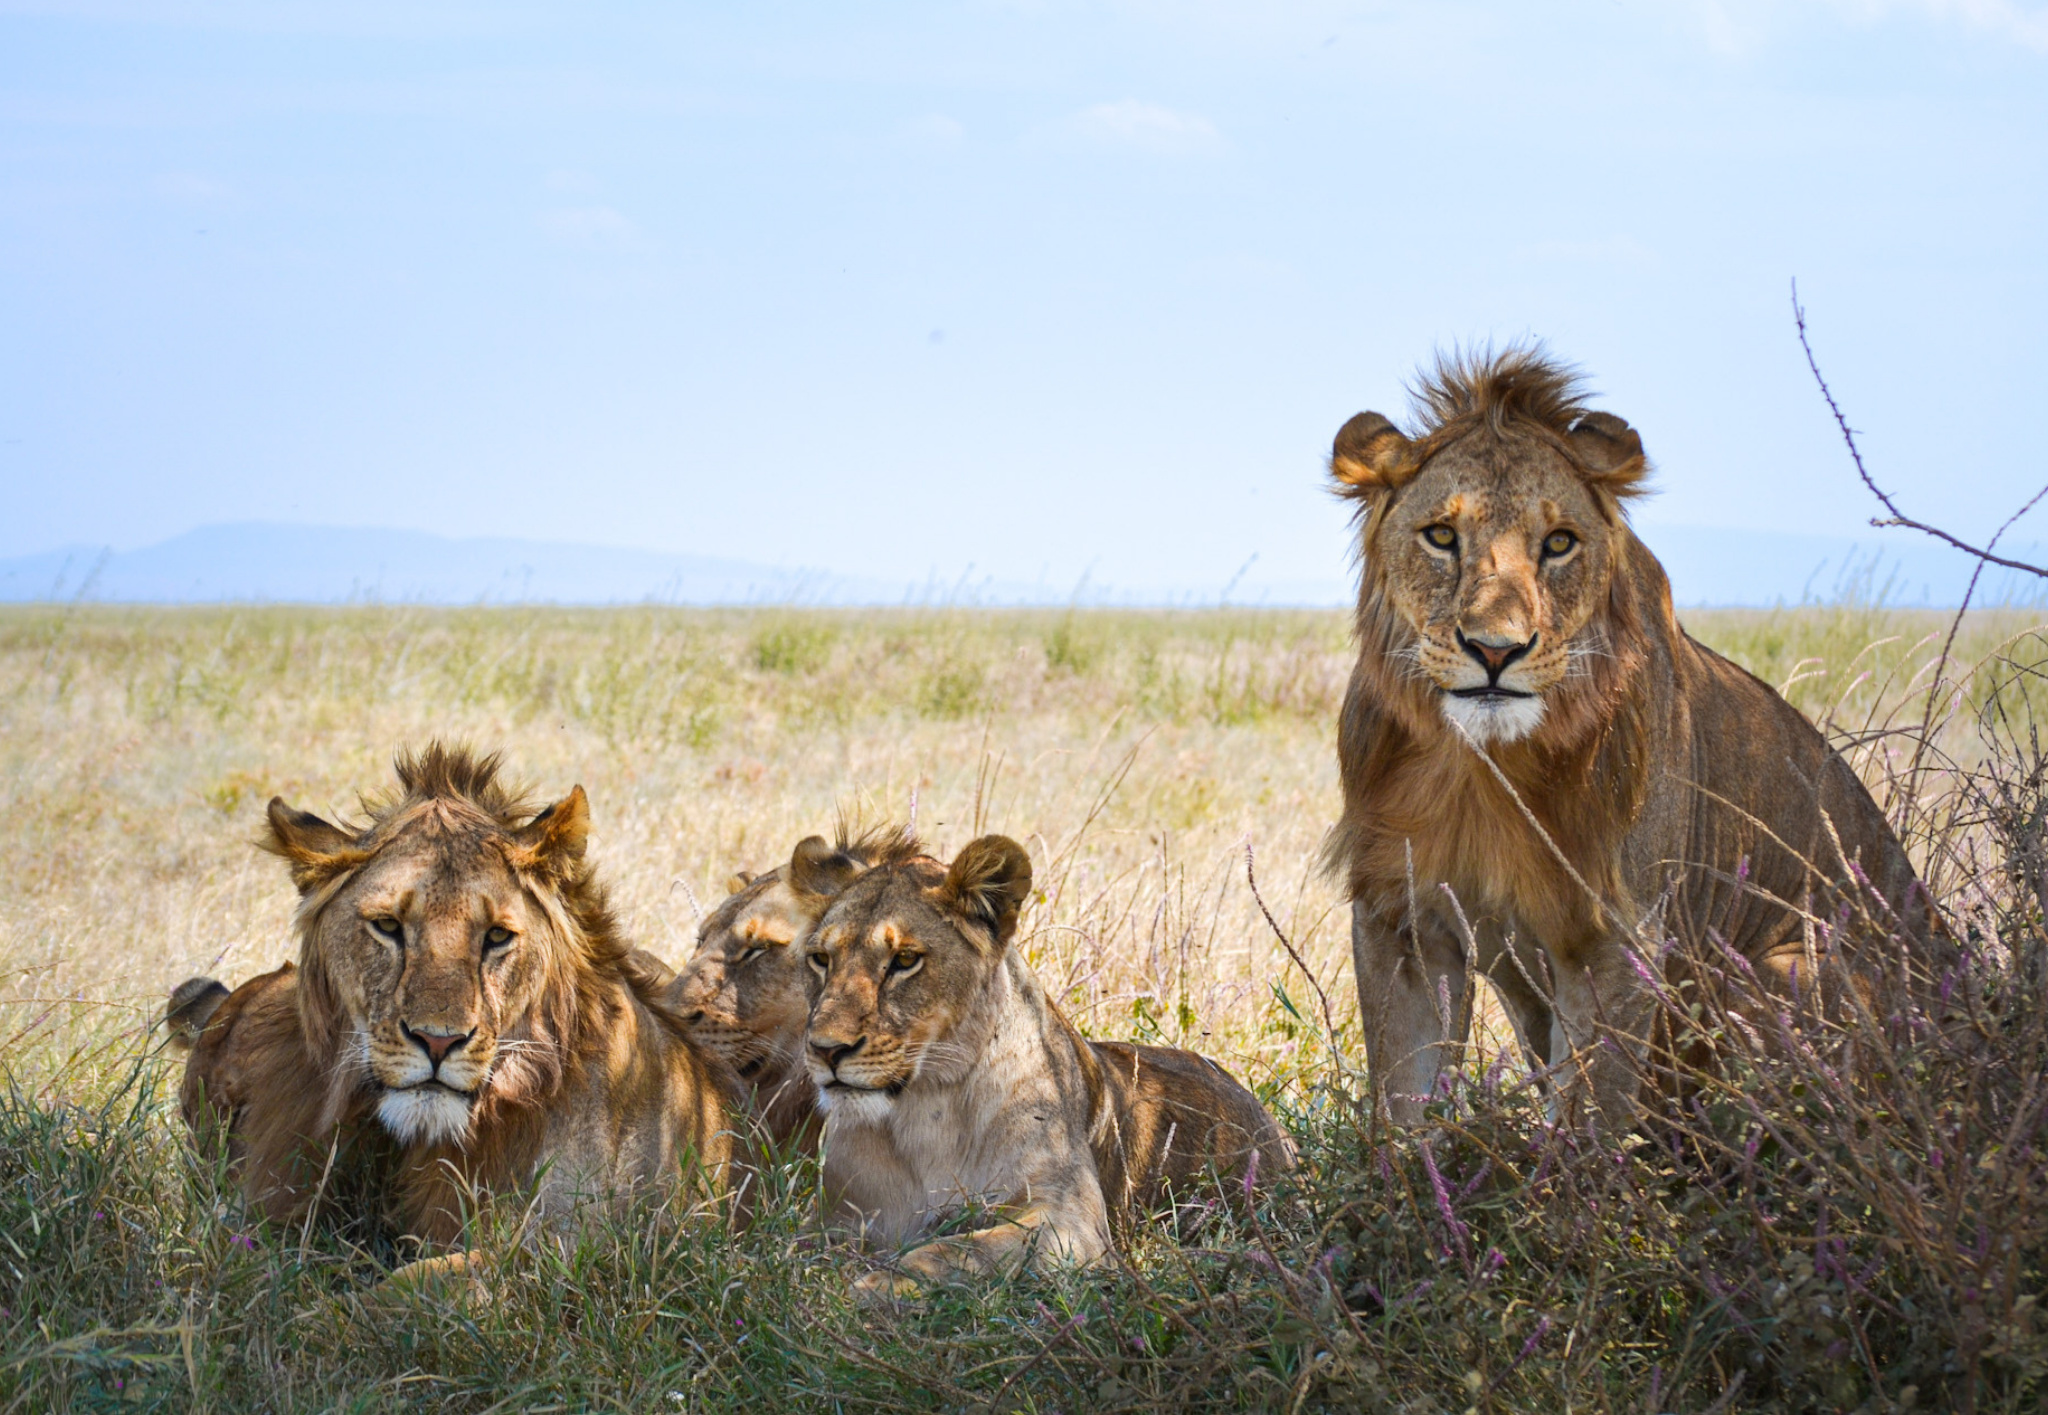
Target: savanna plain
x,y
1807,1235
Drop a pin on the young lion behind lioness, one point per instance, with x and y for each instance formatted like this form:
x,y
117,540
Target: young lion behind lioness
x,y
744,994
949,1080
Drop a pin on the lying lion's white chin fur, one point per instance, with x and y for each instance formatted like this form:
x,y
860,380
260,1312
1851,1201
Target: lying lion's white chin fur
x,y
425,1115
851,1104
1494,719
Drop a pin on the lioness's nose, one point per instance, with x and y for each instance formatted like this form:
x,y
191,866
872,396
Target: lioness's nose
x,y
435,1042
833,1052
1494,652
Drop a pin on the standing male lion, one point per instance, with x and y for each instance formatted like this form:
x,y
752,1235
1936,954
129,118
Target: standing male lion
x,y
1519,666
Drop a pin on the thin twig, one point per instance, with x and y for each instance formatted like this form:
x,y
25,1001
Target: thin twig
x,y
1898,517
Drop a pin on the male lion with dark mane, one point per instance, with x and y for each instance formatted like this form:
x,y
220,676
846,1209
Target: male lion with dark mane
x,y
950,1082
1530,737
463,1006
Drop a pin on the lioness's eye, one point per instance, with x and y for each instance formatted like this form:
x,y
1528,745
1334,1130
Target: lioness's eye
x,y
1442,537
390,928
1559,543
820,962
497,938
904,963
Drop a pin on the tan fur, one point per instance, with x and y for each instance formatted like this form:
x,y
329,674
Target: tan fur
x,y
1687,796
950,1081
744,993
274,1137
456,924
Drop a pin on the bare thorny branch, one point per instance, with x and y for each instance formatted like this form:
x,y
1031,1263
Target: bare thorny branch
x,y
1898,517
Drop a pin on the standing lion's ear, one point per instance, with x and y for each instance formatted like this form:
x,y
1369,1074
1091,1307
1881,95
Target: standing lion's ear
x,y
819,869
989,882
315,850
1610,454
553,841
1371,456
740,880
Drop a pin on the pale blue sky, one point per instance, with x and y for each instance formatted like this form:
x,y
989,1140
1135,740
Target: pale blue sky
x,y
1036,286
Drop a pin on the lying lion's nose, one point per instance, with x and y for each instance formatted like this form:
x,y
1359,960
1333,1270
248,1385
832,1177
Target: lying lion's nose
x,y
833,1052
1494,653
435,1042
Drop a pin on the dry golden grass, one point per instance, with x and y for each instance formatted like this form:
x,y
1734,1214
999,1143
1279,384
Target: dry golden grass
x,y
1135,754
1493,1264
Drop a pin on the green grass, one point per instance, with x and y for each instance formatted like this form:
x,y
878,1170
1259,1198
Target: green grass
x,y
1873,1243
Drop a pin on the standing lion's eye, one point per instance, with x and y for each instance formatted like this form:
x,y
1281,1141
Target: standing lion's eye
x,y
388,927
1440,537
905,963
1559,543
821,963
497,938
748,956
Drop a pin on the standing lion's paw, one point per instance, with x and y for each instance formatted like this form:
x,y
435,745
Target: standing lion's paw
x,y
881,1285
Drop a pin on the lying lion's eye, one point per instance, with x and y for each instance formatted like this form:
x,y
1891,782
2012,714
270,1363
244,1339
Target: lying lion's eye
x,y
904,964
390,928
820,963
1442,537
497,938
749,956
1559,543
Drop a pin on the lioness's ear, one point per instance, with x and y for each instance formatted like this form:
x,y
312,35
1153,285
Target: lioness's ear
x,y
989,882
315,850
555,839
1610,452
739,881
1370,455
818,869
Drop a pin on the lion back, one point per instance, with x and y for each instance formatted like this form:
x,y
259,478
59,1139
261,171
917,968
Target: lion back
x,y
1169,1124
251,1096
1769,828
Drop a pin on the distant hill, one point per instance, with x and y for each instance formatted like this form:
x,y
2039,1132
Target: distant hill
x,y
262,562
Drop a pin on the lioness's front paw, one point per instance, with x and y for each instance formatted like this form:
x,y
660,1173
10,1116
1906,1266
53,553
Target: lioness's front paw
x,y
881,1285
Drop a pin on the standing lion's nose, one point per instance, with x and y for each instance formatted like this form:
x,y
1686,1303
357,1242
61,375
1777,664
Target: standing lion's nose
x,y
1494,652
436,1043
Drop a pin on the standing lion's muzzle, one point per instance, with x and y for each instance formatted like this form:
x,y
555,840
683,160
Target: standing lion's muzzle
x,y
1496,654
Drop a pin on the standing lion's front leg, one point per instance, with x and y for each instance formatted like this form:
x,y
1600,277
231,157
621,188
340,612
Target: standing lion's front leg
x,y
1415,1002
1600,1045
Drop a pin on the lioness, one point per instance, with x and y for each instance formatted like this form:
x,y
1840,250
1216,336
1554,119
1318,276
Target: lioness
x,y
462,983
744,993
1519,666
948,1079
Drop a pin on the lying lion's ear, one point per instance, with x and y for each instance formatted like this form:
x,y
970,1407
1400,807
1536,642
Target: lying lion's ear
x,y
555,839
739,881
819,869
1370,455
192,1006
1610,452
315,850
989,882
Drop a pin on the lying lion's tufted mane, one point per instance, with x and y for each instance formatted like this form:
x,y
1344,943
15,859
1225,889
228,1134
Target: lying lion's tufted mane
x,y
455,802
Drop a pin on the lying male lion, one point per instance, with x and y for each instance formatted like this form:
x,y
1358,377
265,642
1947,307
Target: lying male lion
x,y
949,1079
461,988
1520,667
744,993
